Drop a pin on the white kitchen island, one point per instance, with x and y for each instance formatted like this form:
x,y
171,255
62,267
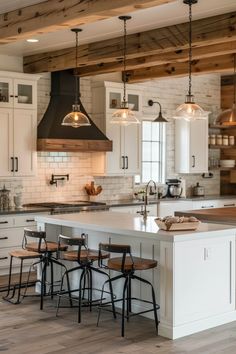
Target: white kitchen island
x,y
195,277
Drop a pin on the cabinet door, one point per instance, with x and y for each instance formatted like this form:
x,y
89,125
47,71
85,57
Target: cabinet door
x,y
6,92
25,125
115,162
131,140
169,208
199,146
25,94
6,142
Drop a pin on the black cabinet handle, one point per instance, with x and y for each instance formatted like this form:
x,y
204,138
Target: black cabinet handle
x,y
29,220
207,206
2,258
194,161
11,95
3,222
123,162
12,164
17,165
127,162
225,205
4,238
15,96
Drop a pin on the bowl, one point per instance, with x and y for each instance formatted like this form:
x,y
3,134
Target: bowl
x,y
131,105
227,163
23,99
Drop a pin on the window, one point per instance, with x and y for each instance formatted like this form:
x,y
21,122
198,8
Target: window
x,y
153,152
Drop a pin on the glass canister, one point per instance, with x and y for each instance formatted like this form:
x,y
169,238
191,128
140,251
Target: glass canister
x,y
4,198
225,140
219,139
212,139
231,140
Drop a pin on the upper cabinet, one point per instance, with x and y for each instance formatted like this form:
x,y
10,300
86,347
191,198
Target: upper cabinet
x,y
18,124
17,91
125,157
191,146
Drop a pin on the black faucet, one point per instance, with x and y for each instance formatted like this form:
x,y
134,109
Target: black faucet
x,y
55,178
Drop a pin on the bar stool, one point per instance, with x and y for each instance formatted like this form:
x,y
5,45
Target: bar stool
x,y
85,258
126,265
34,246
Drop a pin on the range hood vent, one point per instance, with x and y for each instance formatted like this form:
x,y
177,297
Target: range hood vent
x,y
52,136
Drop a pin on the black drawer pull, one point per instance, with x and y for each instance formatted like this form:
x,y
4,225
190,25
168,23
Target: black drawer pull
x,y
29,220
225,205
207,206
3,222
2,258
4,238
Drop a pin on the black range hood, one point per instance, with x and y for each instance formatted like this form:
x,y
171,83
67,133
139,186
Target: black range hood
x,y
52,136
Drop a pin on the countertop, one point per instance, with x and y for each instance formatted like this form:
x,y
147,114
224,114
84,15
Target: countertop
x,y
29,210
133,226
220,215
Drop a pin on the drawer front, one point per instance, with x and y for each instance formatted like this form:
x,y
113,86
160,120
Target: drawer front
x,y
6,222
227,203
207,204
26,220
11,237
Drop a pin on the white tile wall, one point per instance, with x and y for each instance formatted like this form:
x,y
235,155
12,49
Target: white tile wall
x,y
169,92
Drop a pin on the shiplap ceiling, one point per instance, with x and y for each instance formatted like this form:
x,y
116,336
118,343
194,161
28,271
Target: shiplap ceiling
x,y
142,20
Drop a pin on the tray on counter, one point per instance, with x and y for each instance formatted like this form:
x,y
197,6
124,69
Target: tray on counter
x,y
178,226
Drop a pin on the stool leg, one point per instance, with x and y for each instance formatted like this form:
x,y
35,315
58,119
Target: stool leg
x,y
80,295
123,307
68,288
43,281
52,278
20,280
9,279
90,289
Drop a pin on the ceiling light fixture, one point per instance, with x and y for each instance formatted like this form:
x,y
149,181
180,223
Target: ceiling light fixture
x,y
190,110
228,117
76,118
32,40
160,118
124,115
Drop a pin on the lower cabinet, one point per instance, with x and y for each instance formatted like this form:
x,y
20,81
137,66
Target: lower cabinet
x,y
151,208
11,236
169,208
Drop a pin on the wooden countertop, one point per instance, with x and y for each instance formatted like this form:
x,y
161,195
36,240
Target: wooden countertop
x,y
219,215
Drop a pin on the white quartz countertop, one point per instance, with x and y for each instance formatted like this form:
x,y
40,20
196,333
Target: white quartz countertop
x,y
133,226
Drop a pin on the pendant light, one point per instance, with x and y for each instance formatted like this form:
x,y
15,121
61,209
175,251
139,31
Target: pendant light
x,y
124,115
190,110
76,118
160,118
228,117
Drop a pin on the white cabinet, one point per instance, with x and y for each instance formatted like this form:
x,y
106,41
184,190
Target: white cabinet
x,y
151,208
169,208
125,157
18,90
226,203
18,124
191,146
206,204
11,236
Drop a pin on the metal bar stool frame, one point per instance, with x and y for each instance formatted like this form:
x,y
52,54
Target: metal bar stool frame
x,y
128,275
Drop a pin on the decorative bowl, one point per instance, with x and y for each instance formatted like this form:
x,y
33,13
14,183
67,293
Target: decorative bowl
x,y
23,99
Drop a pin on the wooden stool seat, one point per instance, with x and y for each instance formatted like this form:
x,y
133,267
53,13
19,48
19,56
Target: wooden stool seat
x,y
134,263
24,254
85,255
51,247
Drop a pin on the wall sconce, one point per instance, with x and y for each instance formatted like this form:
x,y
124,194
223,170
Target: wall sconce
x,y
160,118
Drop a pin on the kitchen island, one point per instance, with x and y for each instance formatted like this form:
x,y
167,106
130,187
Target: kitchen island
x,y
195,277
218,215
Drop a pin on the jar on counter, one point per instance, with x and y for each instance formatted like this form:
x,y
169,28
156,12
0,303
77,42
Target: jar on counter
x,y
231,140
212,139
225,140
219,140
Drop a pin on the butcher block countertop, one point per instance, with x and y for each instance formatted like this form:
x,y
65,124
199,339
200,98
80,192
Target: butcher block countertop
x,y
216,215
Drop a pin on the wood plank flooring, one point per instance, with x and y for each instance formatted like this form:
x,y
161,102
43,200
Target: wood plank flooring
x,y
24,329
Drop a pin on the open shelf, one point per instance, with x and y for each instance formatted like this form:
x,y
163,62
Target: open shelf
x,y
215,126
222,146
222,169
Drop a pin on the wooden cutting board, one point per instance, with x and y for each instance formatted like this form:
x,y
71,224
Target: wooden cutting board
x,y
224,215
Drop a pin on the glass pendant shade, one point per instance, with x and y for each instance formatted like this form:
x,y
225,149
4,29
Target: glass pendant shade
x,y
190,110
124,115
76,118
228,117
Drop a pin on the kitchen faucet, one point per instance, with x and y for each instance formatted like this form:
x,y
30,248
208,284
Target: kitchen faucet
x,y
144,212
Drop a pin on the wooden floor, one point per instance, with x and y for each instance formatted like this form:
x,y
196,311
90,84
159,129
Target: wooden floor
x,y
24,329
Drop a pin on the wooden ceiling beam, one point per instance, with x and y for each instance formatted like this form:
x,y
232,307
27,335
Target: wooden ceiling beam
x,y
220,63
158,59
53,15
207,31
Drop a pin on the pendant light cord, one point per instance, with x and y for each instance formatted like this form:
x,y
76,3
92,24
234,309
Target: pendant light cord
x,y
124,60
76,67
190,49
234,78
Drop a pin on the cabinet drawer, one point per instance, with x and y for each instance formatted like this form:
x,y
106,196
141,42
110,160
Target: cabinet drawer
x,y
11,237
207,204
25,220
6,222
